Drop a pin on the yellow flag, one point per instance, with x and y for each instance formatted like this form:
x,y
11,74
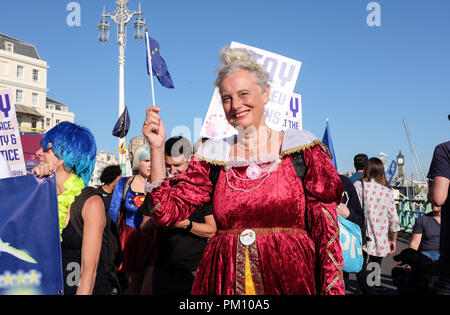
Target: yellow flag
x,y
123,148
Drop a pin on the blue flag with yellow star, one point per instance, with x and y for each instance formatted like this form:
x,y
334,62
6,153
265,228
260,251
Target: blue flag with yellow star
x,y
159,66
30,245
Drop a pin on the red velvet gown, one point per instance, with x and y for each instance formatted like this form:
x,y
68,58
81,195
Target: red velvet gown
x,y
282,261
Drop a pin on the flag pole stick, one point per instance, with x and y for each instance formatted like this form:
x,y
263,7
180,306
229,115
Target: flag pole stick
x,y
149,54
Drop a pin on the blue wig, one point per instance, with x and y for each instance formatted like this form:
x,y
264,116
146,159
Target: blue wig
x,y
75,145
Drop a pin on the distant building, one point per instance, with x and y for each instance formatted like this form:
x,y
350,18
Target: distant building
x,y
57,112
102,160
24,72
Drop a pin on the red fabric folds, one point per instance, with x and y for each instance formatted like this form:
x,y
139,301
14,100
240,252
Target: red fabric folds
x,y
177,198
323,191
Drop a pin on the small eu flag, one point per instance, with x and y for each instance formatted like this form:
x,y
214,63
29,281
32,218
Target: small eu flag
x,y
327,141
123,125
159,66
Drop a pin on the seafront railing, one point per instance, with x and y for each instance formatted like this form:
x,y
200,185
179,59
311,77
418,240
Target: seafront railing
x,y
410,210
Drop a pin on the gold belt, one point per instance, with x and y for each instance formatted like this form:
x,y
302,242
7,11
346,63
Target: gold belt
x,y
263,231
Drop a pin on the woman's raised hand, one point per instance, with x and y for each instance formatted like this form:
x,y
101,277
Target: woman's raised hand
x,y
153,128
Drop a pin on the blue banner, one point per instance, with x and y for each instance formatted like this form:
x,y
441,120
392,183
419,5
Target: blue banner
x,y
391,172
30,245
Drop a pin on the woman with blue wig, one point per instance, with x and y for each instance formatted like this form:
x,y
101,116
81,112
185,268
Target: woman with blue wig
x,y
69,151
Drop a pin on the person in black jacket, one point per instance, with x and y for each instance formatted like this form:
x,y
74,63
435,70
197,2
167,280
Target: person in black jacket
x,y
351,209
180,247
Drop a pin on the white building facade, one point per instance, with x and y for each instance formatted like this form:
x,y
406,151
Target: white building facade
x,y
25,74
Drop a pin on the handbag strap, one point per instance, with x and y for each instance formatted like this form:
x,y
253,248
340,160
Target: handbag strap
x,y
366,237
362,199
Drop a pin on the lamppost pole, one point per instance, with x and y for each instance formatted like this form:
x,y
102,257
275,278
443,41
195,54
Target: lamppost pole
x,y
121,16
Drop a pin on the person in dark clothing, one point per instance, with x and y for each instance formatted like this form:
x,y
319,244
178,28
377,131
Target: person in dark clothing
x,y
110,176
350,209
179,248
69,150
359,161
439,174
426,233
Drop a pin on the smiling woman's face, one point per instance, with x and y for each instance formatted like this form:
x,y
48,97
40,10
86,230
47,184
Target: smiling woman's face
x,y
243,100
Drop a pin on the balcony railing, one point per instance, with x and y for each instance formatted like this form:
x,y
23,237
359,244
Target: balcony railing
x,y
29,130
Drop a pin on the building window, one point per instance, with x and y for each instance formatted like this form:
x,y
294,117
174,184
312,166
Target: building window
x,y
19,97
35,100
47,122
20,74
9,47
35,75
58,121
34,123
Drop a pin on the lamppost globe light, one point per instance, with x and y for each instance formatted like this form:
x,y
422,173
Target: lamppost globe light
x,y
103,31
139,28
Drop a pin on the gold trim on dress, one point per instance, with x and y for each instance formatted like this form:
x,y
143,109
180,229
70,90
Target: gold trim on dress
x,y
306,147
330,255
210,161
283,154
155,208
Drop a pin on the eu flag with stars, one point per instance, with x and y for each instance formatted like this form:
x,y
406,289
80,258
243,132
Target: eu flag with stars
x,y
159,66
327,141
30,245
123,125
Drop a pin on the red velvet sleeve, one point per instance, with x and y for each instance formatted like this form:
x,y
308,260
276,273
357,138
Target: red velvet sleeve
x,y
323,190
178,197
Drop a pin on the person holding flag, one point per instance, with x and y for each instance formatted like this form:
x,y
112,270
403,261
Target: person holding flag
x,y
277,229
69,151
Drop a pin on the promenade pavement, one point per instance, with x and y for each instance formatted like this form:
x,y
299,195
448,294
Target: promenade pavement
x,y
387,265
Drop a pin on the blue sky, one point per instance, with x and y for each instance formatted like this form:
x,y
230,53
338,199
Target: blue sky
x,y
363,79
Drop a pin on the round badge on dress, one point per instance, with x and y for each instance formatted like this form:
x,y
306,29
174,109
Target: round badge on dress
x,y
248,237
254,171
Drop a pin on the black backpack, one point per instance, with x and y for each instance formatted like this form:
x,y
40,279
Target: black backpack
x,y
111,251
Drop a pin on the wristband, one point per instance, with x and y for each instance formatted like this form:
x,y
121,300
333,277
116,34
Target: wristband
x,y
189,227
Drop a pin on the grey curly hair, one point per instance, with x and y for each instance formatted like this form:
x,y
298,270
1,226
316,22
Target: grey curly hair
x,y
239,59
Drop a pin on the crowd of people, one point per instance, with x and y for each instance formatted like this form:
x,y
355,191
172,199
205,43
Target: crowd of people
x,y
256,213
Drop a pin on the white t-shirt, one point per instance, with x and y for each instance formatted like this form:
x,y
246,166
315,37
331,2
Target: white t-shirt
x,y
4,168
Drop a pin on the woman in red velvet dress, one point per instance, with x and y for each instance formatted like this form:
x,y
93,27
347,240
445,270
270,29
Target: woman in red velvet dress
x,y
276,234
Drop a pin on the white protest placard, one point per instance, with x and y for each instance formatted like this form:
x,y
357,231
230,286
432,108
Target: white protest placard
x,y
294,116
283,73
10,144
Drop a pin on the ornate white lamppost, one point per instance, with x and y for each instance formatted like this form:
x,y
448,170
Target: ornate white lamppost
x,y
121,16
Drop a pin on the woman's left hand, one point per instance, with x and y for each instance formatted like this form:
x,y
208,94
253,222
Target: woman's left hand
x,y
343,211
182,224
46,169
392,246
